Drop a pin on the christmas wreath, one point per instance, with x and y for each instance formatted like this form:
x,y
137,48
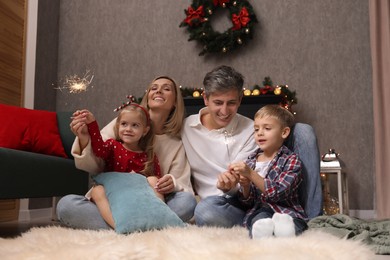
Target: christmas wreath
x,y
198,24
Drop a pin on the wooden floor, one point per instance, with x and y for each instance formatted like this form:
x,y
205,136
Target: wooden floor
x,y
16,228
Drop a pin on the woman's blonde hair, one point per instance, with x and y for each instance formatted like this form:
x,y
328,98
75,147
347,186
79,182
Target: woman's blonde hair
x,y
174,122
146,142
285,117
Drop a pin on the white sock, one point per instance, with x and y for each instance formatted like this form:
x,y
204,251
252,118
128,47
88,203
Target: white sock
x,y
283,225
262,228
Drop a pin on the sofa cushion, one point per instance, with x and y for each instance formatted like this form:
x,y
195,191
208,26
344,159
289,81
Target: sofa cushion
x,y
133,203
30,130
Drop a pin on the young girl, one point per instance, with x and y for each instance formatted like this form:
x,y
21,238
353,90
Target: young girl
x,y
130,151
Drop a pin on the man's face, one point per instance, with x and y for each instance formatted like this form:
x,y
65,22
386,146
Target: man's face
x,y
222,108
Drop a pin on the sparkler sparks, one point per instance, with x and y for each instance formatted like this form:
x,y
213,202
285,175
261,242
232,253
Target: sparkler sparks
x,y
77,84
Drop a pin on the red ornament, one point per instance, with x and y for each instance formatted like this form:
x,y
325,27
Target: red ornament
x,y
220,2
194,15
266,89
240,20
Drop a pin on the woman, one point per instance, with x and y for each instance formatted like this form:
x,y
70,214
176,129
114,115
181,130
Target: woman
x,y
166,108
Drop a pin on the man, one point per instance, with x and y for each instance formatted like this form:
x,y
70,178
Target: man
x,y
218,136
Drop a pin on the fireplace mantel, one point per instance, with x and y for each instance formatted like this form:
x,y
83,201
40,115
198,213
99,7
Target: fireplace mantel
x,y
248,107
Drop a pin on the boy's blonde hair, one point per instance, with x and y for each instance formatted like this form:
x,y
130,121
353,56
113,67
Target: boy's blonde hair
x,y
146,142
174,122
285,117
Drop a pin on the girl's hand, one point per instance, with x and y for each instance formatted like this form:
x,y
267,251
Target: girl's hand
x,y
165,184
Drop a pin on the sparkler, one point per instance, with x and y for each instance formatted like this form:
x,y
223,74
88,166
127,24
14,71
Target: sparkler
x,y
77,84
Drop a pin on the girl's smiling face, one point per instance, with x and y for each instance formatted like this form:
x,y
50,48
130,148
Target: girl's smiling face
x,y
131,129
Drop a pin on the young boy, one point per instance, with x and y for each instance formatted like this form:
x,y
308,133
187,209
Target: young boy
x,y
270,177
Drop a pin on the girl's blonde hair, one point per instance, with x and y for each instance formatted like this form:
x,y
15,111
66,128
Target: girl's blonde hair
x,y
174,122
146,142
285,117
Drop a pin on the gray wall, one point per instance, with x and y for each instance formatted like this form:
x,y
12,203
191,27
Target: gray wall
x,y
46,55
319,48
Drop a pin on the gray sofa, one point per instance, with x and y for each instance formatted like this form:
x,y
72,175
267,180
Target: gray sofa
x,y
32,175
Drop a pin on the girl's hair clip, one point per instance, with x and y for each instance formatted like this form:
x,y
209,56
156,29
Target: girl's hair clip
x,y
131,100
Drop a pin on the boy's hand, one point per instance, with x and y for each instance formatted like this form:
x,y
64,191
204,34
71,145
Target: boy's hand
x,y
245,182
240,168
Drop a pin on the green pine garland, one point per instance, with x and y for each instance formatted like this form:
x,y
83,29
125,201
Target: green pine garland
x,y
198,25
288,97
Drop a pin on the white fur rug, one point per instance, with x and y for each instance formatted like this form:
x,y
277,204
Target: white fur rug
x,y
176,243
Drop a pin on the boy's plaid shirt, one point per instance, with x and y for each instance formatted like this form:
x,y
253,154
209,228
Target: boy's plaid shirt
x,y
281,185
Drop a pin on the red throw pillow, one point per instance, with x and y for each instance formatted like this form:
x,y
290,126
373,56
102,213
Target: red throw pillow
x,y
30,130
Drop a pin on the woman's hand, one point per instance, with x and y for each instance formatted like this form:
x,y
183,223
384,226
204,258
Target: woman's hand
x,y
79,126
165,184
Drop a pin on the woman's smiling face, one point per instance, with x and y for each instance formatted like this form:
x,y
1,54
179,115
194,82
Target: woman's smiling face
x,y
162,94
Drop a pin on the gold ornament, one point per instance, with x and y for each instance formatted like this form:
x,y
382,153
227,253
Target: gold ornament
x,y
277,91
256,92
196,94
247,92
239,41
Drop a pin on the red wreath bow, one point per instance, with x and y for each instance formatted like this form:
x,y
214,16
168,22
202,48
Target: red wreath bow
x,y
194,14
220,2
240,20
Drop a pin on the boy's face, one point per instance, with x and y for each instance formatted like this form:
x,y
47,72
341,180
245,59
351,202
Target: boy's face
x,y
222,108
269,134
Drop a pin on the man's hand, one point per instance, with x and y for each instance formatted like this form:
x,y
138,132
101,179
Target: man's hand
x,y
227,181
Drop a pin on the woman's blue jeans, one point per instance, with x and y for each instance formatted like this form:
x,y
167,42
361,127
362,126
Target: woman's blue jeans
x,y
78,212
